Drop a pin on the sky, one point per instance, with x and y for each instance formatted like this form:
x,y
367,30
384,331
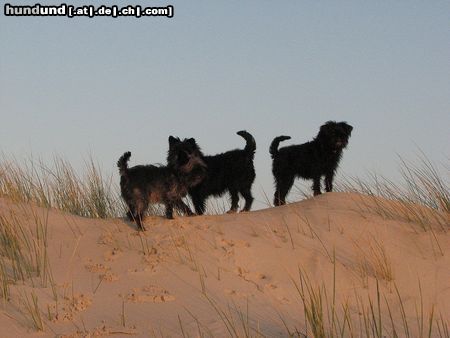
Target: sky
x,y
77,87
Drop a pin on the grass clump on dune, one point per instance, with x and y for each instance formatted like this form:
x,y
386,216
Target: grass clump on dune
x,y
364,317
59,186
23,251
422,184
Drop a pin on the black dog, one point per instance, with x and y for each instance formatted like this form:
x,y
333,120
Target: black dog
x,y
310,160
144,184
232,171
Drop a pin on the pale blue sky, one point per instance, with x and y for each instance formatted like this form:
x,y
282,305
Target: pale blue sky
x,y
103,86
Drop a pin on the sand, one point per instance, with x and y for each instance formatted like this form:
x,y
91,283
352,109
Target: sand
x,y
236,274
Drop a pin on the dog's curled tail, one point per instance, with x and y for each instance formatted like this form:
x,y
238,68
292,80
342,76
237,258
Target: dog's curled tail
x,y
251,143
122,163
273,150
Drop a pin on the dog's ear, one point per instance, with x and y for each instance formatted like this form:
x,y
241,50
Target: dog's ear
x,y
192,142
325,129
173,140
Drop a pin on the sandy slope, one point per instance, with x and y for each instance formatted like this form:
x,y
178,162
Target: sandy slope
x,y
180,275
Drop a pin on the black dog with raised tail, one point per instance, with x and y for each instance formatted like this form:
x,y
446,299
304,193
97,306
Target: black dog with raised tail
x,y
311,160
232,171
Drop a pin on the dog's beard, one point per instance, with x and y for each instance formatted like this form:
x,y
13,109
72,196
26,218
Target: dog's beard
x,y
339,145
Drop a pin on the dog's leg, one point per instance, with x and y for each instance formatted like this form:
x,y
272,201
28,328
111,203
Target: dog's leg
x,y
139,214
276,198
199,204
133,213
234,201
316,186
283,187
329,181
247,194
132,216
183,207
169,210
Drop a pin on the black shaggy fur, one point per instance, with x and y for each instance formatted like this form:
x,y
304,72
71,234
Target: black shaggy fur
x,y
144,184
232,171
311,160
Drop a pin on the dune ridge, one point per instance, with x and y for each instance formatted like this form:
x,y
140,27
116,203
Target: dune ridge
x,y
329,264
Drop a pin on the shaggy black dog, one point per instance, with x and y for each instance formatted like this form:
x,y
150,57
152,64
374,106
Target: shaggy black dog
x,y
311,160
144,184
232,171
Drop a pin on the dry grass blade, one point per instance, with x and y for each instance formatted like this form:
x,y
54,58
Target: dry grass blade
x,y
33,312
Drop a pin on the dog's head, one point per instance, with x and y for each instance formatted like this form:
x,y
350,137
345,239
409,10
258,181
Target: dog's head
x,y
335,135
186,158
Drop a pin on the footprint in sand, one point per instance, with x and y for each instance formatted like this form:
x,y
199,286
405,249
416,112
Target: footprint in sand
x,y
242,244
150,294
276,292
229,245
112,254
251,277
96,267
69,308
236,293
106,238
104,271
150,261
80,302
150,268
109,276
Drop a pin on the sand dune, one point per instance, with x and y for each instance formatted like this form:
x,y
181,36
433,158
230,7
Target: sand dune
x,y
239,275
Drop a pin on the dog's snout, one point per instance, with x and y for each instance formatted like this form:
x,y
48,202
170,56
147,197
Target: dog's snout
x,y
341,143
